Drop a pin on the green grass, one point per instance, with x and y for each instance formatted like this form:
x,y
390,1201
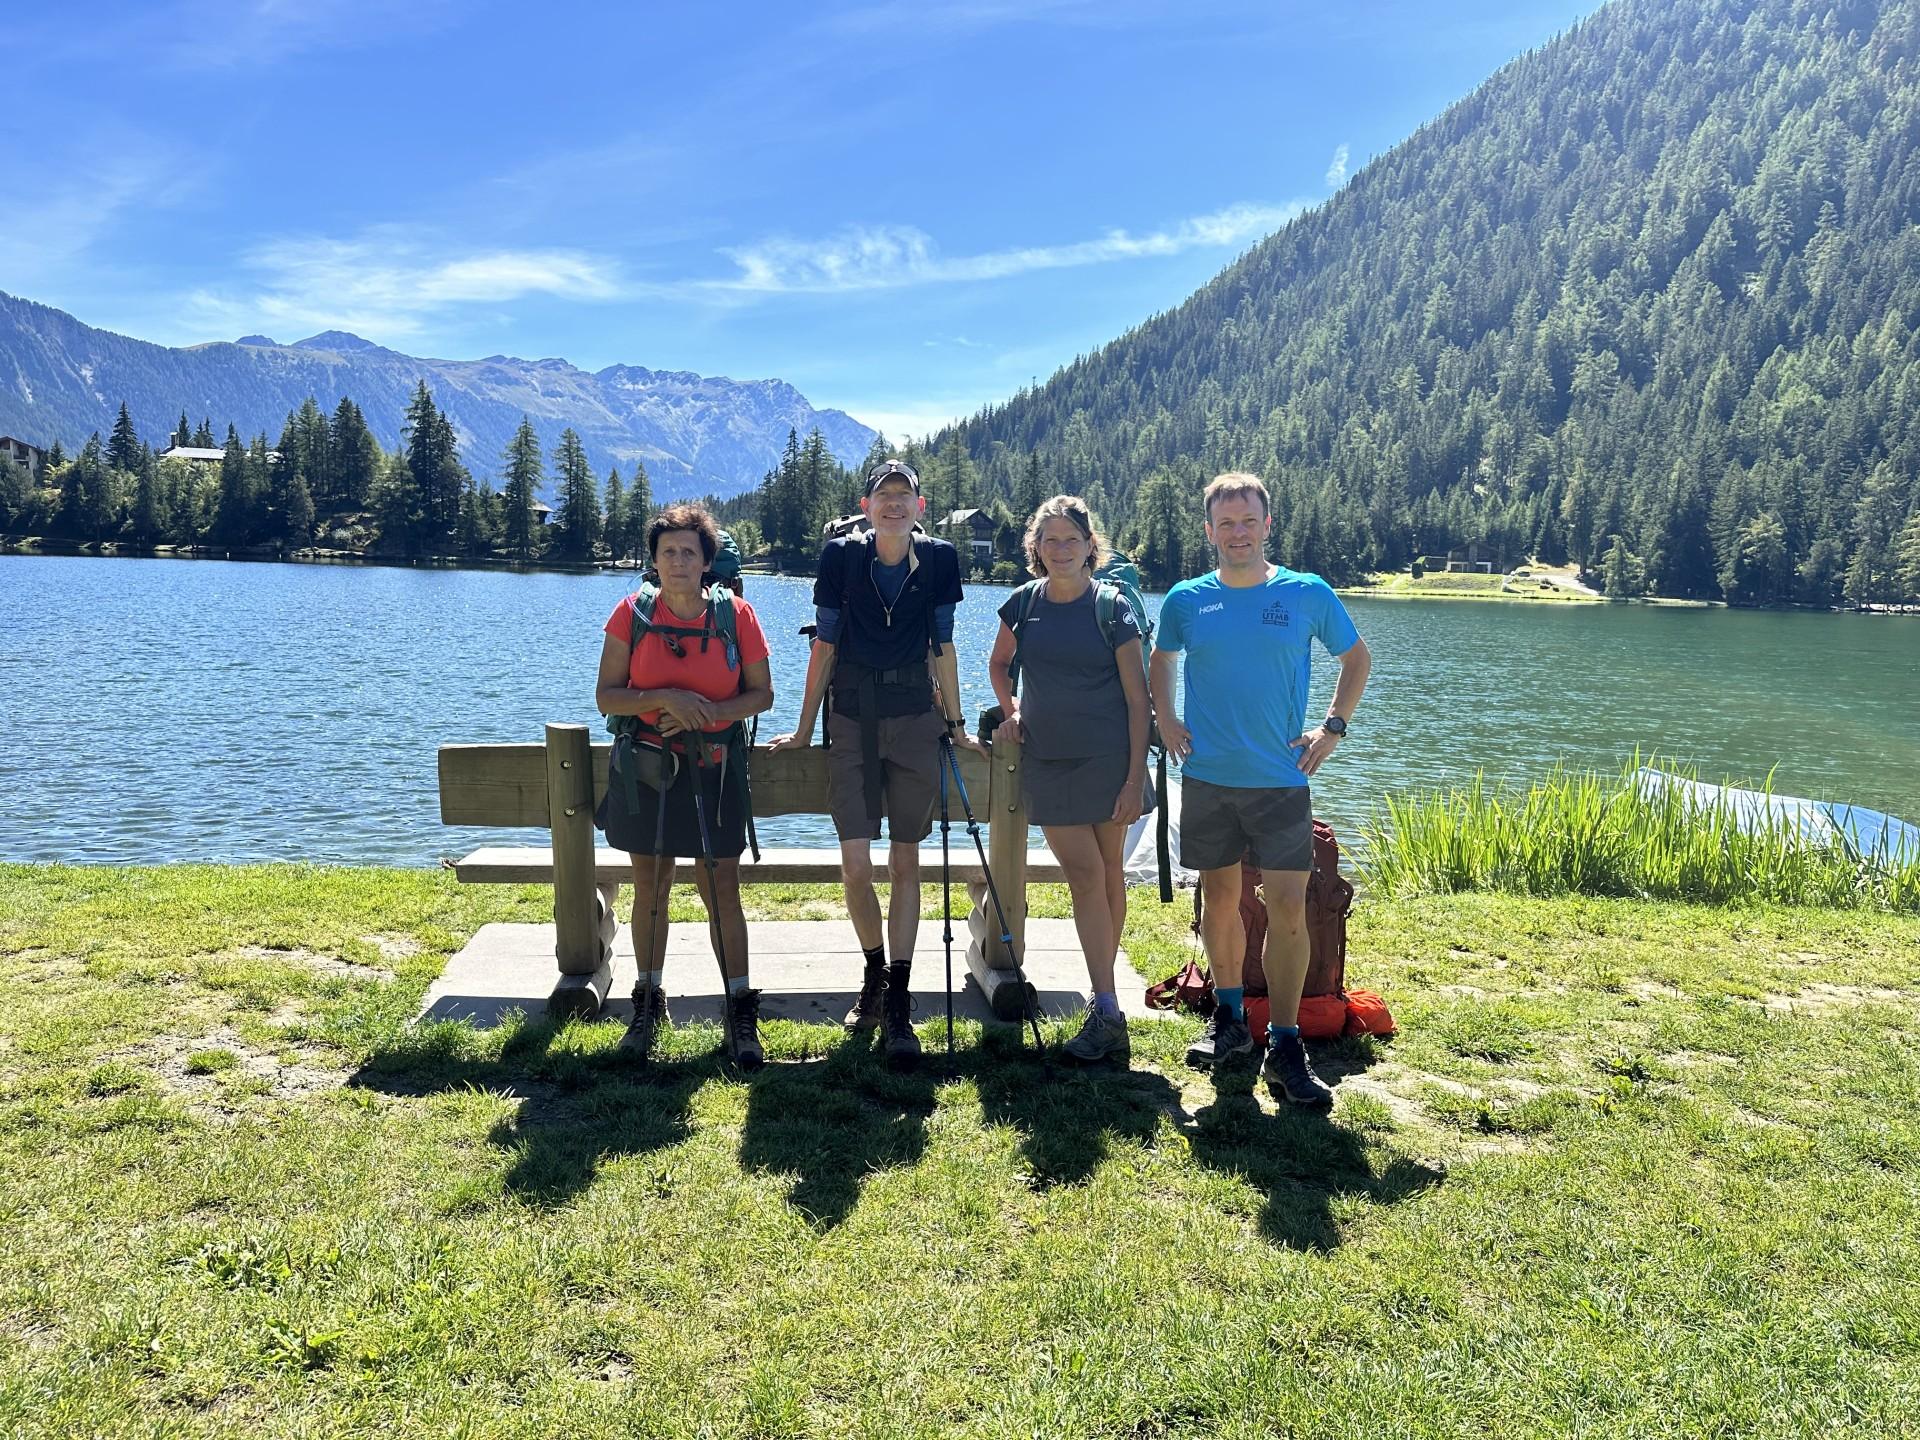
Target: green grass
x,y
1579,832
1630,1168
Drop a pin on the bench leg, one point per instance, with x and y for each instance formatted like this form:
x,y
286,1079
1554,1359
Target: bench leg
x,y
579,997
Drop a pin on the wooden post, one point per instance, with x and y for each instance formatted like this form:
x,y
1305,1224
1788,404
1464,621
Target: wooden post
x,y
988,958
584,957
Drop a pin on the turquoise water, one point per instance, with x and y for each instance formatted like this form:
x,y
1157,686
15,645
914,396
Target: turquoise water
x,y
163,710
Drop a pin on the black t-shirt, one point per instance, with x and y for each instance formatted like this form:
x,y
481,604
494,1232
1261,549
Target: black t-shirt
x,y
871,633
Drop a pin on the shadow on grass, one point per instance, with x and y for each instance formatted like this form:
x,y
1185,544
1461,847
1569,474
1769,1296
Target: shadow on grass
x,y
1301,1160
832,1121
577,1109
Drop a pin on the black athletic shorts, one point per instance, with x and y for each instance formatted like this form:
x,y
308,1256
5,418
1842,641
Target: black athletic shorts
x,y
1220,823
726,816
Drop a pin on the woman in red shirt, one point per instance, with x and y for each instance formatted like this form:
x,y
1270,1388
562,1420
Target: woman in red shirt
x,y
681,681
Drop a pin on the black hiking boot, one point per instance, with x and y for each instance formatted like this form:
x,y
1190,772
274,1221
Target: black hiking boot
x,y
649,1015
868,1004
1290,1076
1226,1035
743,1030
902,1046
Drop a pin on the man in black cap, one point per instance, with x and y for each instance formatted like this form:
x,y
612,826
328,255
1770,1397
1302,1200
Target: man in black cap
x,y
883,602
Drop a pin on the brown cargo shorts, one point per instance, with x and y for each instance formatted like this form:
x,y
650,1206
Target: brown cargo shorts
x,y
909,776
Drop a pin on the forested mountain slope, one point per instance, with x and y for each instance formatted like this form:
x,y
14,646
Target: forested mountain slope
x,y
1646,299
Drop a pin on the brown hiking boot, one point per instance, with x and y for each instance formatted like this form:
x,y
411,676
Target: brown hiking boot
x,y
649,1014
867,1005
743,1030
902,1046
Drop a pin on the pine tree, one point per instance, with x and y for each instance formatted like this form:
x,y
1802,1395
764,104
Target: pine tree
x,y
639,511
183,436
614,524
123,448
524,477
354,455
577,525
203,437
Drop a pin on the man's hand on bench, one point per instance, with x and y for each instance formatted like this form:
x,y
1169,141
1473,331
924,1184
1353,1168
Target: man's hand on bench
x,y
791,741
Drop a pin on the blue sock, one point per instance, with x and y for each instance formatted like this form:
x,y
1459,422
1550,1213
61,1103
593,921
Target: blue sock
x,y
1234,998
1275,1032
735,984
1106,1002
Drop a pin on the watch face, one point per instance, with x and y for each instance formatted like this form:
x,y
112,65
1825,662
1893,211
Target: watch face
x,y
1334,725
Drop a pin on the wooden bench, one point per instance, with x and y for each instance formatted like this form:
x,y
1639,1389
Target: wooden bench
x,y
555,786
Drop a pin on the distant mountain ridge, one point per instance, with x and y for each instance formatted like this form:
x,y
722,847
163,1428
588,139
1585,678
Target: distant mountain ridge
x,y
696,434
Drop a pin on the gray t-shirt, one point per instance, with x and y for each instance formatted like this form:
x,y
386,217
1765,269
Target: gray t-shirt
x,y
1071,703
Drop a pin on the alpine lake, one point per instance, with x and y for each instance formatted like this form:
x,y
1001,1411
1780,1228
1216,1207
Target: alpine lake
x,y
169,710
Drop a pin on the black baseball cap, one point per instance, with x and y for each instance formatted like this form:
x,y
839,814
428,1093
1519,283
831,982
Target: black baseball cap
x,y
887,469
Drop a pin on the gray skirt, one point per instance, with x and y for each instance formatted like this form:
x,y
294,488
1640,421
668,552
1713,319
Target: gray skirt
x,y
1075,792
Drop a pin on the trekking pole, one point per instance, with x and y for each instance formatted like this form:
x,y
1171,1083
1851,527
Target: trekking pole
x,y
946,905
713,889
952,759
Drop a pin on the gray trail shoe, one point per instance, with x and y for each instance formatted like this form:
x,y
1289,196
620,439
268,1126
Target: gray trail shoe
x,y
867,1006
902,1046
1226,1035
1290,1076
1101,1037
649,1015
743,1030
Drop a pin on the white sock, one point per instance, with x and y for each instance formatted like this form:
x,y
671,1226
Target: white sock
x,y
653,978
735,984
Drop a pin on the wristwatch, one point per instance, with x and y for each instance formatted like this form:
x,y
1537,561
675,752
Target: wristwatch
x,y
1334,726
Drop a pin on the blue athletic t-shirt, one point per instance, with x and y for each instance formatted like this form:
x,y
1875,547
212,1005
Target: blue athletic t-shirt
x,y
1249,652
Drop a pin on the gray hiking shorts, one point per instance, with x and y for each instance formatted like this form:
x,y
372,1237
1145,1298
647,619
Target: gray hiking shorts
x,y
1221,823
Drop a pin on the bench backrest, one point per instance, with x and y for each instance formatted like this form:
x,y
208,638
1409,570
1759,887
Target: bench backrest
x,y
506,785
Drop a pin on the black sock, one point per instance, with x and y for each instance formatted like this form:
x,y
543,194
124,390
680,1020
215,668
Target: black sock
x,y
876,959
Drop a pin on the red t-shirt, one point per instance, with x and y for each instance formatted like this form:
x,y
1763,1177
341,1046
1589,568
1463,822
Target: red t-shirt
x,y
652,666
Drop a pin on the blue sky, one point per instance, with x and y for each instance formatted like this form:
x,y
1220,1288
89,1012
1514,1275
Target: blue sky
x,y
906,209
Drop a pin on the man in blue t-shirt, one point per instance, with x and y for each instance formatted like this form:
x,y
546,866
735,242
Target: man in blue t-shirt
x,y
1248,631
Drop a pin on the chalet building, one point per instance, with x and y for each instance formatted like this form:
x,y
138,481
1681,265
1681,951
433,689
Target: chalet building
x,y
30,458
202,454
973,528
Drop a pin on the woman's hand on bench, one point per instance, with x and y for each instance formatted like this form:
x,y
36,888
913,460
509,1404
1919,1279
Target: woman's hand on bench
x,y
791,741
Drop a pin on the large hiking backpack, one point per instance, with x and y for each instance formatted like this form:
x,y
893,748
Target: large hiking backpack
x,y
1327,1008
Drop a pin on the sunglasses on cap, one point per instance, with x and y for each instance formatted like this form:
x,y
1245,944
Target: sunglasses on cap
x,y
883,473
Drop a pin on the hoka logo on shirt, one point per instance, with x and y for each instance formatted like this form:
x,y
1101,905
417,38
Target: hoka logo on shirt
x,y
1275,615
1209,609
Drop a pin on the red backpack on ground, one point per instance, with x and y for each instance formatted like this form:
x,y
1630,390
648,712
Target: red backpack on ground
x,y
1327,1008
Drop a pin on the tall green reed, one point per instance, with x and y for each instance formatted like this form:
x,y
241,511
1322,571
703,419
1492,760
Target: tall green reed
x,y
1586,833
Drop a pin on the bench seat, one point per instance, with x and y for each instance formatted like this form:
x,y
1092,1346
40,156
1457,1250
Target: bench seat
x,y
533,864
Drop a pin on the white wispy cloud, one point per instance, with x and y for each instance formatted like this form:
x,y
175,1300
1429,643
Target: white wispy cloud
x,y
891,256
1337,167
390,285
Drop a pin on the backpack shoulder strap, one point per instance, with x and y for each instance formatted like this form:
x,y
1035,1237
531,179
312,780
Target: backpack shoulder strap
x,y
726,625
640,612
1025,601
1106,609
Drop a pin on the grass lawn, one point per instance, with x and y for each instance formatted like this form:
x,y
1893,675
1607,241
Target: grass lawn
x,y
1630,1169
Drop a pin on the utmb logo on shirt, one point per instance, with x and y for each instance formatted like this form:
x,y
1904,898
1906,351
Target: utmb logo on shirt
x,y
1276,614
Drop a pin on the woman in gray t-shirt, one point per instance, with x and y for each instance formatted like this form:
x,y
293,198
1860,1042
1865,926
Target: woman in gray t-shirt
x,y
1082,722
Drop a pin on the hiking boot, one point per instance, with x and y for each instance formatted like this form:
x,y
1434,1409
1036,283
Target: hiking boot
x,y
1290,1076
902,1046
1102,1037
649,1015
743,1030
1226,1035
867,1006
